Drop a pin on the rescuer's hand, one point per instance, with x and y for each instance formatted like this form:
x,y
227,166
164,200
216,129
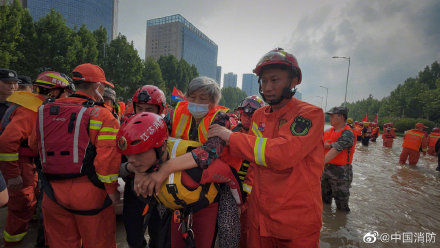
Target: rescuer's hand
x,y
15,183
327,145
219,131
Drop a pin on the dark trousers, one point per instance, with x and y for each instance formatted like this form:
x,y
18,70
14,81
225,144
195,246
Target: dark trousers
x,y
132,215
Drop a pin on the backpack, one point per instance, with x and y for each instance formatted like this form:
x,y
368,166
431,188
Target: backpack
x,y
64,146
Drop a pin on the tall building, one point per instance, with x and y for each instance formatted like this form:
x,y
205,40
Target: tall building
x,y
92,13
250,84
230,80
174,35
218,75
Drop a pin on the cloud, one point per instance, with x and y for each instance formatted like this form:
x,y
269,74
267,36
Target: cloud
x,y
388,41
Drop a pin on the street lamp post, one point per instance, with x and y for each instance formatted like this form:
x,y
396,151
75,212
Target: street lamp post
x,y
348,73
322,98
326,96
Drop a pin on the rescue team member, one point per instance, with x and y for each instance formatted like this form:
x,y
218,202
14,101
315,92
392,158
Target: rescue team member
x,y
110,102
77,201
358,130
366,133
25,83
143,139
16,159
375,132
246,110
388,135
190,121
8,84
350,122
286,150
414,141
433,137
339,144
437,148
147,98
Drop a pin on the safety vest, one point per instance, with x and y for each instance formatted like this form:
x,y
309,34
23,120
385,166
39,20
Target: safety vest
x,y
345,157
182,120
358,130
433,137
413,139
174,194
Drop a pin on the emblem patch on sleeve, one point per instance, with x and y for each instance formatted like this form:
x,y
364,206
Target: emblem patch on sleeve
x,y
300,126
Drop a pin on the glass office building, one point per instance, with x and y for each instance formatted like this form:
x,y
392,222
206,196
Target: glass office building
x,y
92,13
230,80
174,35
250,84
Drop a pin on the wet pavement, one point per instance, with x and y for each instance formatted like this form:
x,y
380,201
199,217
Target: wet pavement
x,y
395,205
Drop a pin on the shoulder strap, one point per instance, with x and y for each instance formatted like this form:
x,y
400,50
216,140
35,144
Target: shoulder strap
x,y
7,117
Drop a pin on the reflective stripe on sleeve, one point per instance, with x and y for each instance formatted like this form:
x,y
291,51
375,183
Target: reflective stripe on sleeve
x,y
95,124
106,137
108,179
255,130
8,157
259,149
109,129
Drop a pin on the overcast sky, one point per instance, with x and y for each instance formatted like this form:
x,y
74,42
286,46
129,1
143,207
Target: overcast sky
x,y
388,41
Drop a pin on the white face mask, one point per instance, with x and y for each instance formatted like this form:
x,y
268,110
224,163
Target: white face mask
x,y
98,95
198,110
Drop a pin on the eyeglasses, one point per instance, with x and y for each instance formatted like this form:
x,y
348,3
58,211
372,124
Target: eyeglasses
x,y
144,97
252,103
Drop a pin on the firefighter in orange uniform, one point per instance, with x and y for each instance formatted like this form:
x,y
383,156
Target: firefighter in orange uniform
x,y
16,159
375,132
358,130
433,137
77,202
414,141
286,149
388,135
339,144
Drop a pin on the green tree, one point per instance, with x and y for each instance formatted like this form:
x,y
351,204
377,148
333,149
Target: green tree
x,y
231,97
168,66
54,38
10,38
101,44
152,75
123,66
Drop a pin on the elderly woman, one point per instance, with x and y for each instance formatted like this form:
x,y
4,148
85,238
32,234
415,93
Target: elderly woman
x,y
190,121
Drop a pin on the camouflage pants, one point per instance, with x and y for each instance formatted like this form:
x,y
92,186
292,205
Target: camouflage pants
x,y
335,183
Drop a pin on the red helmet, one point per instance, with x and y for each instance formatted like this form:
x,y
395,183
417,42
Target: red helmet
x,y
150,94
435,130
390,124
356,122
278,56
54,80
140,133
250,104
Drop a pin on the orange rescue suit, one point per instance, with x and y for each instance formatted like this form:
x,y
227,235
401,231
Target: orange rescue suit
x,y
22,202
415,139
64,229
388,137
433,137
286,150
345,156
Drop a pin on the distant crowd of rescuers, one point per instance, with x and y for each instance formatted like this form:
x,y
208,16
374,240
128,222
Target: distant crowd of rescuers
x,y
256,177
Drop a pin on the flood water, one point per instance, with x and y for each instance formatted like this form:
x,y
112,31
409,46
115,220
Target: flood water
x,y
393,200
389,199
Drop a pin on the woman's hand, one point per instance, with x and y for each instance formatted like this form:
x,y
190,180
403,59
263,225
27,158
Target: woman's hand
x,y
149,184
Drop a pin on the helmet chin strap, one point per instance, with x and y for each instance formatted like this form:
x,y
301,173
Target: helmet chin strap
x,y
287,94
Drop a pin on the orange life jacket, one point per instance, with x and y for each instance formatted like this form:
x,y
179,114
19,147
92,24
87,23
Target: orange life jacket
x,y
413,139
182,120
433,137
345,156
357,130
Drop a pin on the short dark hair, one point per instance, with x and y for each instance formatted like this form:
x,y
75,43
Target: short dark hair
x,y
293,72
82,85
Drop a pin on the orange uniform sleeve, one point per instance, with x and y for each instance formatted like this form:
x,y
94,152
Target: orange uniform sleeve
x,y
283,151
103,129
18,130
